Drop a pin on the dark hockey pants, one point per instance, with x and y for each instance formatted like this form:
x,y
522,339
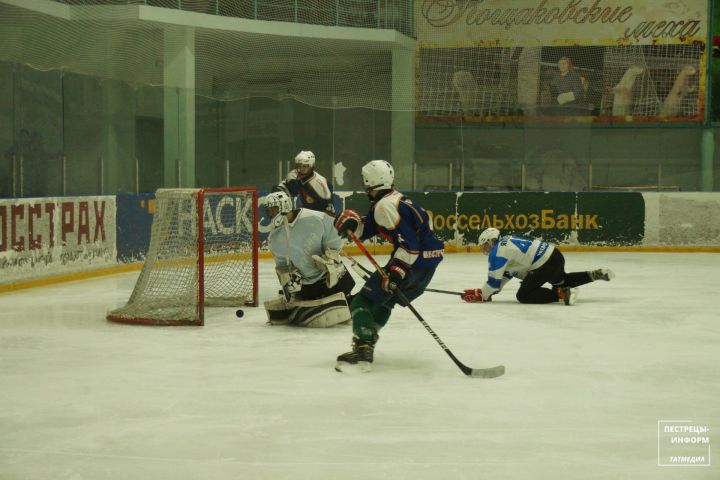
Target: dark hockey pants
x,y
319,289
553,272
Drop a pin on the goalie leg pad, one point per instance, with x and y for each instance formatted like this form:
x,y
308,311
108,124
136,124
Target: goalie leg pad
x,y
278,311
321,313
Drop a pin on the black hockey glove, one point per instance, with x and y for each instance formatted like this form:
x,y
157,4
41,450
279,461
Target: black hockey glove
x,y
395,275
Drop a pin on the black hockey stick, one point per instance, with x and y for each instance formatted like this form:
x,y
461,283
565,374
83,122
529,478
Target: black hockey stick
x,y
491,372
360,268
449,292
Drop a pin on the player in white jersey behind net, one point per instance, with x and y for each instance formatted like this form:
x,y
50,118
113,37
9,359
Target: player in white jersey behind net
x,y
313,189
306,249
533,261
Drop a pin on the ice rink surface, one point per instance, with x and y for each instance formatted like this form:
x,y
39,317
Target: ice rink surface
x,y
585,389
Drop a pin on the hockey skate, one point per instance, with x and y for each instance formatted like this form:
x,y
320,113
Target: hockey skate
x,y
360,358
602,274
567,295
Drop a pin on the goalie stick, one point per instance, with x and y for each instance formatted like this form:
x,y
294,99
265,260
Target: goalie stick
x,y
491,372
365,273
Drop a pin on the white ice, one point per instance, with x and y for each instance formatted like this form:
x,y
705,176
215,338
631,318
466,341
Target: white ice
x,y
585,389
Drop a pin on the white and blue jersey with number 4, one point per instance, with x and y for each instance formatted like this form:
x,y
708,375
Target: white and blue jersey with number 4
x,y
514,256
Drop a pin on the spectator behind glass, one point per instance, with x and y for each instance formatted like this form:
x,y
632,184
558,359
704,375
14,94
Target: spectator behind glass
x,y
567,90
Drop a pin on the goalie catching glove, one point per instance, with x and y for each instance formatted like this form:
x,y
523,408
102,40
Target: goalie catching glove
x,y
474,295
395,275
332,265
349,221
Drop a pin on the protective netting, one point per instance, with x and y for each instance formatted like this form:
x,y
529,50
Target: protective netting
x,y
489,60
507,60
233,52
653,80
173,287
642,81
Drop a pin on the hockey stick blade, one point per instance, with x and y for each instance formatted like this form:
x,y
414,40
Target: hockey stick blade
x,y
492,372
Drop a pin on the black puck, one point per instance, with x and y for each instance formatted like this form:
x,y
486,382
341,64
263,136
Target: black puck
x,y
239,313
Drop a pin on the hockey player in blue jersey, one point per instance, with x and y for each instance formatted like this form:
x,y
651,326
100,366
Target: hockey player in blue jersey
x,y
415,256
313,189
306,249
533,261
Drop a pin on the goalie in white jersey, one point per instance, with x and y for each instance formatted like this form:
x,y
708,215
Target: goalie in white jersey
x,y
315,282
533,261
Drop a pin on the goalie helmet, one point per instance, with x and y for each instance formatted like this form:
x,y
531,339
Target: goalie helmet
x,y
378,175
305,157
282,202
488,235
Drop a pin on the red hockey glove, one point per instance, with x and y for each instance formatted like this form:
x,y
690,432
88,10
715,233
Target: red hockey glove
x,y
348,221
395,275
473,295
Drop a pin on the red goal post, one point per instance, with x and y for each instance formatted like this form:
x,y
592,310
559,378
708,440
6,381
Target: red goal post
x,y
203,252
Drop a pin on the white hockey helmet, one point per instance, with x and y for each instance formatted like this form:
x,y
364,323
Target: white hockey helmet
x,y
378,175
305,157
282,202
488,235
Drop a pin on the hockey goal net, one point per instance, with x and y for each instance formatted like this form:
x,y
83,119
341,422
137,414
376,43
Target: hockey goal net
x,y
203,252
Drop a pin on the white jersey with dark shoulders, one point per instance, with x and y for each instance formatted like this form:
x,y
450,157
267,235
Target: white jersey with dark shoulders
x,y
514,256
